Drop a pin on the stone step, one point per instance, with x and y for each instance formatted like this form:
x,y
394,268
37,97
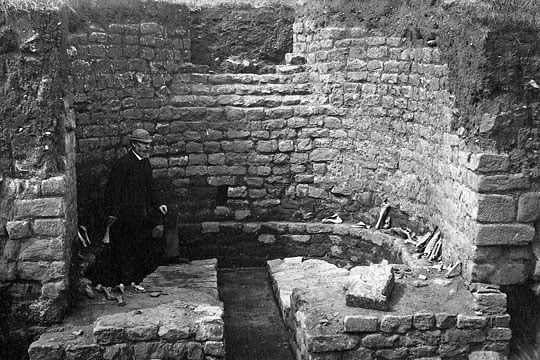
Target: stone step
x,y
295,59
216,90
239,101
290,69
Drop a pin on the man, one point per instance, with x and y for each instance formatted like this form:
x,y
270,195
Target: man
x,y
133,212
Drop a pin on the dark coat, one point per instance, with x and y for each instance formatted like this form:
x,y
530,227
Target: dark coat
x,y
131,196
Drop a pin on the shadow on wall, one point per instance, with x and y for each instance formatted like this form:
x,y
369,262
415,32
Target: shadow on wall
x,y
240,40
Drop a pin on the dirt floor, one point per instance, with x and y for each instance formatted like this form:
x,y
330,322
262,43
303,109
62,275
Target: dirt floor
x,y
254,329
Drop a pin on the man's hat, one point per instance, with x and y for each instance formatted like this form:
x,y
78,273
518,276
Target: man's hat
x,y
141,135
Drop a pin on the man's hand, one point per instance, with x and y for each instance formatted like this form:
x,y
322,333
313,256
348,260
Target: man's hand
x,y
163,209
110,220
157,231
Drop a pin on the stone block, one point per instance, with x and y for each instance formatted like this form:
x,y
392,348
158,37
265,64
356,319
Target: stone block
x,y
11,250
454,351
486,355
174,332
315,228
266,238
8,270
296,238
53,186
501,320
323,154
424,352
151,28
378,341
490,303
251,228
497,183
421,338
210,330
53,290
142,332
158,162
464,336
361,323
43,271
396,323
471,321
445,321
360,353
269,146
499,334
18,229
501,272
488,162
424,320
214,348
529,207
237,192
36,208
83,351
494,209
325,343
242,146
370,287
106,334
49,227
45,349
96,51
285,145
395,353
42,249
503,234
209,227
118,352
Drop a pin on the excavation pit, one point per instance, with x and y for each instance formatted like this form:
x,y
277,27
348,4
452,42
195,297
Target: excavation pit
x,y
194,319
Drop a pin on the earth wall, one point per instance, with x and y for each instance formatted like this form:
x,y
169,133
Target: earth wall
x,y
37,177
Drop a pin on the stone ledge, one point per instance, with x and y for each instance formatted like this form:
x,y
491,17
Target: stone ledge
x,y
424,322
184,321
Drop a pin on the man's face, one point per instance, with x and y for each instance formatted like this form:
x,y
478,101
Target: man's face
x,y
143,149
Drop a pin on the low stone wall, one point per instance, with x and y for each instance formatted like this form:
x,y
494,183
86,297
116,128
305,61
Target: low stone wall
x,y
425,321
237,244
184,322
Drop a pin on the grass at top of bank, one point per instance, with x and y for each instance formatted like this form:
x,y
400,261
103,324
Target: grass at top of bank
x,y
30,5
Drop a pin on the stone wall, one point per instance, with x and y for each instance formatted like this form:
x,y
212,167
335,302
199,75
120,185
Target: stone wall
x,y
122,63
356,120
405,149
251,244
37,178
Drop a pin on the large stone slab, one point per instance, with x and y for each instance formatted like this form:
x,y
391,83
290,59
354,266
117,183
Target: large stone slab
x,y
370,287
